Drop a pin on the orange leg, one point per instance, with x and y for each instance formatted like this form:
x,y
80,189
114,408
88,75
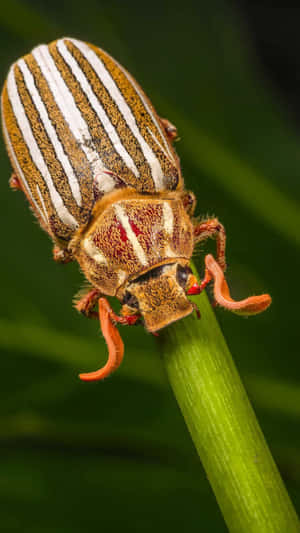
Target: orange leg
x,y
212,228
113,340
169,128
86,303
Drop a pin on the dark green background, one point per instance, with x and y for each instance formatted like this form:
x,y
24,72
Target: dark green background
x,y
116,455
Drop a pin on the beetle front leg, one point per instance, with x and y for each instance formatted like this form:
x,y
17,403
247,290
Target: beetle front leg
x,y
169,128
202,231
86,301
212,228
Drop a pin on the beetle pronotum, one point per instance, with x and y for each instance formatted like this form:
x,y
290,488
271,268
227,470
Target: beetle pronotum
x,y
98,167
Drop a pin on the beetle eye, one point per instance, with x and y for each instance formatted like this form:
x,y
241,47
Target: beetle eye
x,y
130,300
182,275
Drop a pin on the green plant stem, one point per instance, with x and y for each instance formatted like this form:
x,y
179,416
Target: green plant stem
x,y
223,426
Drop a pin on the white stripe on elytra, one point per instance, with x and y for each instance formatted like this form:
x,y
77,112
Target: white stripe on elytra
x,y
37,157
67,105
138,250
168,218
117,96
20,172
38,190
96,105
60,154
93,251
149,111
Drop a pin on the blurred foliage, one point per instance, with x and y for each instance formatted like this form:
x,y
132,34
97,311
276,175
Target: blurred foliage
x,y
83,457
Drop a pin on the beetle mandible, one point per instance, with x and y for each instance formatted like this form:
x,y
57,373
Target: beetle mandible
x,y
100,172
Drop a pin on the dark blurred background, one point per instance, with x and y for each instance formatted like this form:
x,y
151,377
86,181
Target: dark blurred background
x,y
86,457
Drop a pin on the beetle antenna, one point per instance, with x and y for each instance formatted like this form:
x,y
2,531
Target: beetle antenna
x,y
114,343
249,306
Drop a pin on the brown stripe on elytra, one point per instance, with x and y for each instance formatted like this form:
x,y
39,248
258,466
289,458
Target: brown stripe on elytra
x,y
36,207
144,182
59,177
143,119
76,155
101,142
31,173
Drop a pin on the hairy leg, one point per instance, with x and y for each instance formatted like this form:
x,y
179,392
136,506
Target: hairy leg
x,y
85,302
212,228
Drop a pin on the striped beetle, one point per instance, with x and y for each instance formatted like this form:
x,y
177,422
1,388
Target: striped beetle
x,y
98,167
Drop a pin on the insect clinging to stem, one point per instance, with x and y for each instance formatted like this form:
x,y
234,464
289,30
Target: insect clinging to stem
x,y
99,170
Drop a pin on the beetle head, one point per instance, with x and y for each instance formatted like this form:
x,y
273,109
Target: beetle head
x,y
160,295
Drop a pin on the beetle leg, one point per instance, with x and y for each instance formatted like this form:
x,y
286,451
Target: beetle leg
x,y
169,128
61,255
113,340
128,320
197,289
15,183
85,302
212,228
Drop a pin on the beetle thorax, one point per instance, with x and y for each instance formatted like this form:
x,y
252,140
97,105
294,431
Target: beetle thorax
x,y
131,234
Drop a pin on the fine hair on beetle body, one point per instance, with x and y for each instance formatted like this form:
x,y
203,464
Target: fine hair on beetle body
x,y
99,169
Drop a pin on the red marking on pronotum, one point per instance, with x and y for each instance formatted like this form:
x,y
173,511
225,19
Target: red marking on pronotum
x,y
134,228
122,231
